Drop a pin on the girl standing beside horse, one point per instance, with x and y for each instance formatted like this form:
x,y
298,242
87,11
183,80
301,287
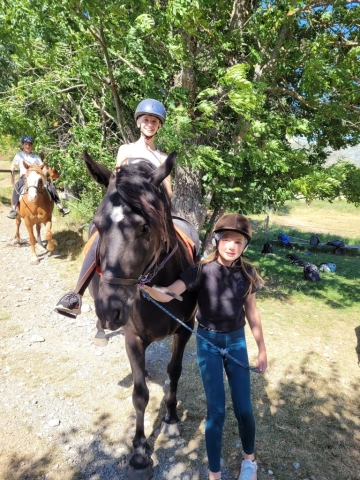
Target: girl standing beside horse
x,y
226,287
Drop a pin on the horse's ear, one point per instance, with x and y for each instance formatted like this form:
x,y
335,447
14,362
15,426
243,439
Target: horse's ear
x,y
26,165
99,173
160,173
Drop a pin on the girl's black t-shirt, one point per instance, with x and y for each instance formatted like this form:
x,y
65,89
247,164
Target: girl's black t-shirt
x,y
221,294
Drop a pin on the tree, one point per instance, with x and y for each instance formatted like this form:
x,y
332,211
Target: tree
x,y
239,81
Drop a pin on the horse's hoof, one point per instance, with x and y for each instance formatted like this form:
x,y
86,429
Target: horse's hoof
x,y
171,430
136,474
35,261
50,247
101,342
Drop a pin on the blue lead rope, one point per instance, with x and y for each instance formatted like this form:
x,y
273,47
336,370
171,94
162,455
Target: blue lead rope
x,y
223,351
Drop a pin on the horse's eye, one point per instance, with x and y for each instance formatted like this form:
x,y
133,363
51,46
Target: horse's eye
x,y
145,228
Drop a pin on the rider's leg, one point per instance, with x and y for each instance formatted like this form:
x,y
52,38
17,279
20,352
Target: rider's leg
x,y
70,303
16,196
55,196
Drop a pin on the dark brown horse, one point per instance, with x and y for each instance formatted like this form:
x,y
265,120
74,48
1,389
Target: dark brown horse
x,y
36,208
136,236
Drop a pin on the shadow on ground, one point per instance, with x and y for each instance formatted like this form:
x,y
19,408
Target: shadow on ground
x,y
305,429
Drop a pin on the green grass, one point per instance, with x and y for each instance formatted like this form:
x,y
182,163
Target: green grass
x,y
341,289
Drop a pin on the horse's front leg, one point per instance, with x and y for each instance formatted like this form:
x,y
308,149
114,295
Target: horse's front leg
x,y
17,231
38,234
34,257
51,243
100,339
170,425
140,462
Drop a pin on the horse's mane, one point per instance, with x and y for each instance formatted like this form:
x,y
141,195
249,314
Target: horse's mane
x,y
134,186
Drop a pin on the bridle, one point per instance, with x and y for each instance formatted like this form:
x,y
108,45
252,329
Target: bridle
x,y
39,171
149,273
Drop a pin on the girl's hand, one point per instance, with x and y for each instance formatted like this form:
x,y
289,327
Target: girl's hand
x,y
261,363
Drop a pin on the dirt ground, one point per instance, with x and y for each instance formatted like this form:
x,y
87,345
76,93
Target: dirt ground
x,y
66,404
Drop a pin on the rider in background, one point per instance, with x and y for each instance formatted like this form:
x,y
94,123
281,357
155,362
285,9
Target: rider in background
x,y
150,116
226,287
30,158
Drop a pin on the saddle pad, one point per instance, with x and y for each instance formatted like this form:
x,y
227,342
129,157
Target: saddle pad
x,y
189,244
89,243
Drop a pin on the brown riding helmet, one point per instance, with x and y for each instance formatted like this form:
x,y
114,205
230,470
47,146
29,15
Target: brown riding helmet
x,y
236,222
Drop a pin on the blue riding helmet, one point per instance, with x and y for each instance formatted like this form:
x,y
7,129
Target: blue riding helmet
x,y
149,106
26,138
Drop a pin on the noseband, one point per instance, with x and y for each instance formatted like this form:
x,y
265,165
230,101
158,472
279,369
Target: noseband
x,y
145,278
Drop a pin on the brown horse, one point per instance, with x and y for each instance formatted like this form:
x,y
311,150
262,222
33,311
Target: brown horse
x,y
36,207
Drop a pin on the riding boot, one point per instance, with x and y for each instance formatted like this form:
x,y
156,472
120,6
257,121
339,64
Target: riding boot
x,y
88,268
50,187
70,303
16,196
17,190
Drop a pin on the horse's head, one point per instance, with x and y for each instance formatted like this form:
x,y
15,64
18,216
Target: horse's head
x,y
34,181
51,173
134,225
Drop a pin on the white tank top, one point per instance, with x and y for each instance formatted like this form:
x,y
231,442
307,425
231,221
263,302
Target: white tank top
x,y
137,152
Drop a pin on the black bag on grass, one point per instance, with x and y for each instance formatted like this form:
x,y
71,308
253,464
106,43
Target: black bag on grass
x,y
311,272
314,240
267,248
336,243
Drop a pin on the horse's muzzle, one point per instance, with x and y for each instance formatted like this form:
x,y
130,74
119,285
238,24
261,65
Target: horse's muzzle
x,y
113,306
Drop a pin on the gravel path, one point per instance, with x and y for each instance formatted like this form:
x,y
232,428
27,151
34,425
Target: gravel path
x,y
66,409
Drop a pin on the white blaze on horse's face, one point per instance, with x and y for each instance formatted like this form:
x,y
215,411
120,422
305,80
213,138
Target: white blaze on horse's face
x,y
32,185
117,214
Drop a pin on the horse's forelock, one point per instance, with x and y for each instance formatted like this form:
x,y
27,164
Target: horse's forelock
x,y
37,169
152,203
33,175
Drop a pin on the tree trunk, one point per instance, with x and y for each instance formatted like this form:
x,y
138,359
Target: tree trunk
x,y
187,198
207,245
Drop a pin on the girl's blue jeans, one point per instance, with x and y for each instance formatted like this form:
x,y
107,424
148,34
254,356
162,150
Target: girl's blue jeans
x,y
212,363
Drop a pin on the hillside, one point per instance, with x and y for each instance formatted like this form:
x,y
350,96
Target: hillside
x,y
351,153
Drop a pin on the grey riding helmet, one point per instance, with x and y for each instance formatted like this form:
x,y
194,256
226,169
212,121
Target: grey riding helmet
x,y
149,106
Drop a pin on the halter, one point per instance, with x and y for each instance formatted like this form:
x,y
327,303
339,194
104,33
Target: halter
x,y
144,278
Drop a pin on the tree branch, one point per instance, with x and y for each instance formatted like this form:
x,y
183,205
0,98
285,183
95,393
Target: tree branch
x,y
293,94
102,110
130,65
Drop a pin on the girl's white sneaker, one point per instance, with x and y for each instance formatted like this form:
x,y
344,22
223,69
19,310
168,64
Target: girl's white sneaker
x,y
248,470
